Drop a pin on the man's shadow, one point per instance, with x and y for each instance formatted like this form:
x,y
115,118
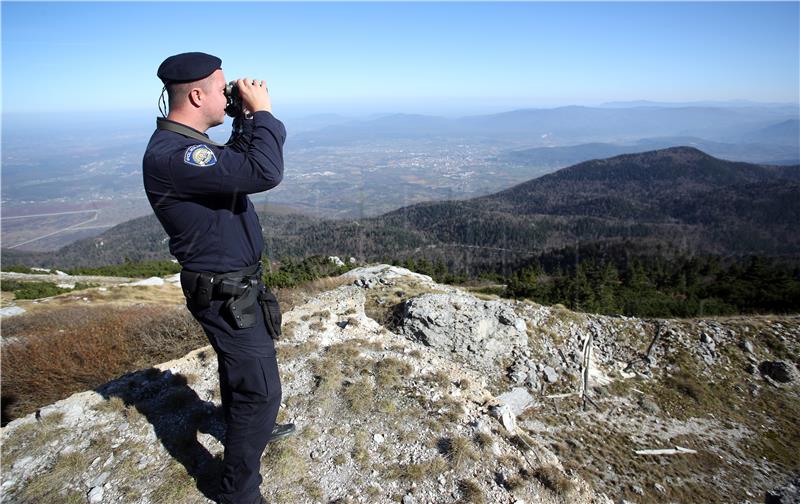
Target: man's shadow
x,y
177,414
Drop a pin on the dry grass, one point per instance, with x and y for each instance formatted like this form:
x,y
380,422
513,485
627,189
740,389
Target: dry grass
x,y
32,436
484,441
360,454
111,405
284,460
439,378
553,479
359,395
430,469
51,486
296,296
458,450
111,297
176,484
471,491
290,352
312,489
448,408
70,349
390,371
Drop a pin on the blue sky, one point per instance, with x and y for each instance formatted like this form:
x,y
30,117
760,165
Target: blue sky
x,y
405,57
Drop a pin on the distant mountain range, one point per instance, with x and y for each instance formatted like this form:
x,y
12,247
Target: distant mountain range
x,y
677,200
559,157
574,124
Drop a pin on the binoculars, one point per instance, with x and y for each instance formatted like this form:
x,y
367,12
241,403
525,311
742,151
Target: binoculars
x,y
234,106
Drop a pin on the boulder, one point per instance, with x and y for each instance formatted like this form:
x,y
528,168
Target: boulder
x,y
780,371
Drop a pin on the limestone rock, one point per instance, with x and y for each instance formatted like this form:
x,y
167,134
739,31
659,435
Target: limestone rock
x,y
518,399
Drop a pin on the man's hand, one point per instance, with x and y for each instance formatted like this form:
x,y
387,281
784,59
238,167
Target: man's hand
x,y
255,96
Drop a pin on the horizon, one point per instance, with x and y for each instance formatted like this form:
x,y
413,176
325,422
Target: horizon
x,y
451,59
298,113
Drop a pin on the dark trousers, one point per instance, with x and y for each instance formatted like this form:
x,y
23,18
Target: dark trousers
x,y
251,395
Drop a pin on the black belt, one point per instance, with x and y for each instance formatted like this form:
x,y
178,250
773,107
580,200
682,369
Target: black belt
x,y
201,287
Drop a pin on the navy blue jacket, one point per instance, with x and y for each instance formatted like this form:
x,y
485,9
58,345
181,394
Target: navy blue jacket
x,y
199,192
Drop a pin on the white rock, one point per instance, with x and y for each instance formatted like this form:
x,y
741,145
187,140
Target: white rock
x,y
378,438
173,279
98,481
507,418
147,281
96,495
518,399
10,311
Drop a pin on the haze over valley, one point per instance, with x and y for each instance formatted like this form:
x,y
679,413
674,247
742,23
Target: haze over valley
x,y
86,177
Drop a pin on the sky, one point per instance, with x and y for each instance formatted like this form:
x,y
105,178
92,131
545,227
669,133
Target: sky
x,y
406,57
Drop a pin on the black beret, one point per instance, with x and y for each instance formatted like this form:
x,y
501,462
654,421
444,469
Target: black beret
x,y
188,67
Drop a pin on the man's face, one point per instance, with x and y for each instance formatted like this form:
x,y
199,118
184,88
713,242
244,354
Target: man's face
x,y
216,99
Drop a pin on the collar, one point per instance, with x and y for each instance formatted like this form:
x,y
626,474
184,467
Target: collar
x,y
163,123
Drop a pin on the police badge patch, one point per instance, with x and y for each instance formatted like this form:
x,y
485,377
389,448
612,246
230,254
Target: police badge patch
x,y
199,155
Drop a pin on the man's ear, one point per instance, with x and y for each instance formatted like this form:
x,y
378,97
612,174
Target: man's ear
x,y
196,96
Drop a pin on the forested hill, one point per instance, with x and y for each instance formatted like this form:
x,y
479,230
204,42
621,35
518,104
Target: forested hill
x,y
680,198
680,184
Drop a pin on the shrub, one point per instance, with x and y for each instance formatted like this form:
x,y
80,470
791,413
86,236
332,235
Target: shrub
x,y
70,349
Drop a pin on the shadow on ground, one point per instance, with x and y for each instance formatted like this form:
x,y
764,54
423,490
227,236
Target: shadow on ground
x,y
177,415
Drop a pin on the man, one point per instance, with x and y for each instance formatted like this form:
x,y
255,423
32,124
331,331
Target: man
x,y
198,190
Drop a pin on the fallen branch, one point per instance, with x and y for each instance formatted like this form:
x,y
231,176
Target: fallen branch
x,y
665,451
587,358
560,396
563,358
653,343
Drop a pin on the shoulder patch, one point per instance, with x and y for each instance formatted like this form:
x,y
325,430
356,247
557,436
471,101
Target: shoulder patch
x,y
199,155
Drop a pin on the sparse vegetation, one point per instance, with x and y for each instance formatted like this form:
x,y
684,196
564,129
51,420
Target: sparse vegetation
x,y
553,479
471,492
55,484
131,269
175,485
38,290
390,371
359,453
458,450
284,460
359,394
429,469
290,352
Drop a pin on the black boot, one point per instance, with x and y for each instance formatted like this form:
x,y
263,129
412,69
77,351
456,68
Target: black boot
x,y
280,431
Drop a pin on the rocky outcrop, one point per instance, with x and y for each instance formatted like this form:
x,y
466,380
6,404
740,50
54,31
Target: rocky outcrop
x,y
449,401
476,332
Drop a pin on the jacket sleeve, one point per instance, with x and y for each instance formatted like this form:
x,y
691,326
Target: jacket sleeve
x,y
242,168
241,134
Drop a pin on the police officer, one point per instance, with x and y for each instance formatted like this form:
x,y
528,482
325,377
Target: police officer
x,y
198,190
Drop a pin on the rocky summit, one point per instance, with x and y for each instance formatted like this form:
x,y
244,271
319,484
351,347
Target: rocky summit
x,y
405,390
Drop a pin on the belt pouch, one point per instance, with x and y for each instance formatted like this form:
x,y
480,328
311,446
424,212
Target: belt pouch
x,y
272,312
197,288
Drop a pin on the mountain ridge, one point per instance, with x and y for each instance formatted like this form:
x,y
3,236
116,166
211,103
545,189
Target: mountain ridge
x,y
712,203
